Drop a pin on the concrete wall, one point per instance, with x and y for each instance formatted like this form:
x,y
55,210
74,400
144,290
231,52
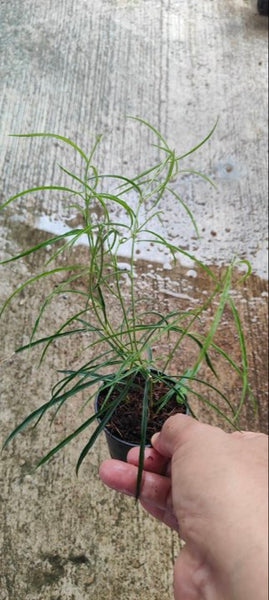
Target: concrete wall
x,y
77,67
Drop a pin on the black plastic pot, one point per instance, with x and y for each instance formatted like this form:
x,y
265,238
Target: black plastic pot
x,y
118,447
263,7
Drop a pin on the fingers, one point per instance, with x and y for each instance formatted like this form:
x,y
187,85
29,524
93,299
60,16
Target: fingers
x,y
165,516
153,461
155,489
174,432
155,493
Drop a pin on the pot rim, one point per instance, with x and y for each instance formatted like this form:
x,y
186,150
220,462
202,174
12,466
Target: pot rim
x,y
112,435
122,440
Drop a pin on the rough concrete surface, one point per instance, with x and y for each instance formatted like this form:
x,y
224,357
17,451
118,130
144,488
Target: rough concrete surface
x,y
77,67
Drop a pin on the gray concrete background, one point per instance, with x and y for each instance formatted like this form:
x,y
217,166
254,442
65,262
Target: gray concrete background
x,y
77,68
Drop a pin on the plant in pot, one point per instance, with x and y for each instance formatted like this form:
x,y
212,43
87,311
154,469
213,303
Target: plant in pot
x,y
131,345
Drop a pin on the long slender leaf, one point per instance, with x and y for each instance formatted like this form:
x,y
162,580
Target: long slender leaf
x,y
200,144
43,244
243,357
217,317
39,188
158,239
205,400
69,438
103,423
52,337
95,435
144,421
199,174
34,279
151,127
186,208
59,290
62,138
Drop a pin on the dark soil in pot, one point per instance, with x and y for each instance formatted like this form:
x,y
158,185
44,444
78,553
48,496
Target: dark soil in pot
x,y
125,423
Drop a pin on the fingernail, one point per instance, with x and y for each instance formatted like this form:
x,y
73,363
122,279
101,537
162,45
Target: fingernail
x,y
154,438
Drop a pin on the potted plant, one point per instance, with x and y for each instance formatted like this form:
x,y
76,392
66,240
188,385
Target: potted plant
x,y
136,388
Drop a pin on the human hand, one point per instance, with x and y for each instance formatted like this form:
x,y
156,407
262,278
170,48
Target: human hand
x,y
210,486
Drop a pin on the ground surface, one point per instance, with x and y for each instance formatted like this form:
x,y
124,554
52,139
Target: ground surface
x,y
77,69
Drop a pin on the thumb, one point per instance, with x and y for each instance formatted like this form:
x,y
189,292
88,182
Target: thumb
x,y
174,432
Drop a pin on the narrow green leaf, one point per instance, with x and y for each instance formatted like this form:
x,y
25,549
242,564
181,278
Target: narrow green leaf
x,y
186,208
128,180
215,322
212,405
68,438
121,202
205,139
34,414
189,377
38,189
59,290
62,138
105,419
202,175
102,303
49,338
144,422
174,249
243,357
96,433
151,127
248,272
36,278
43,244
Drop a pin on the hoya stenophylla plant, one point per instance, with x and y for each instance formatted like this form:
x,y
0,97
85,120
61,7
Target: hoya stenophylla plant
x,y
121,333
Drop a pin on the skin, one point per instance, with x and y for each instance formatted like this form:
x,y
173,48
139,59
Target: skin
x,y
211,487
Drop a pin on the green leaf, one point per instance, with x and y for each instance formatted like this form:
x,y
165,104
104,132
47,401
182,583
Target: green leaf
x,y
243,357
144,422
200,144
96,433
215,322
47,242
68,439
49,338
107,416
202,175
39,188
36,278
59,290
56,136
151,127
188,376
214,406
174,249
121,202
186,208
